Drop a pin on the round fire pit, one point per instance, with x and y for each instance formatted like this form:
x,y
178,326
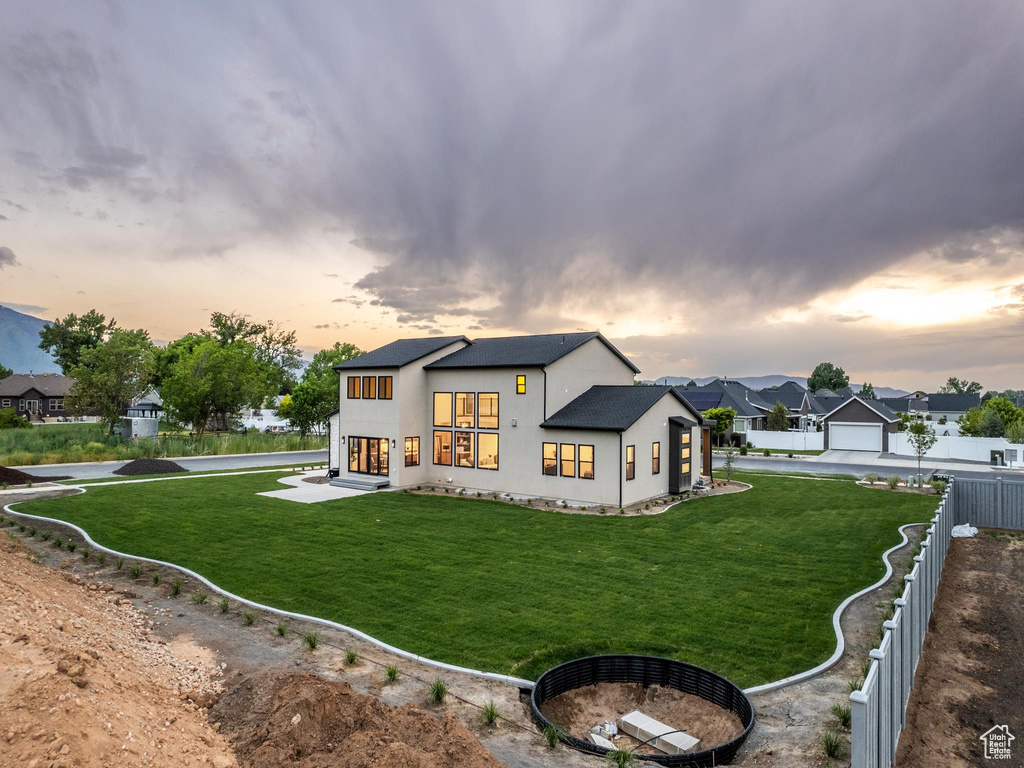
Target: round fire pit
x,y
648,671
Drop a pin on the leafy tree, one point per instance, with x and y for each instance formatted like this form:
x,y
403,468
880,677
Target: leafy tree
x,y
922,438
724,418
955,386
992,424
970,422
778,419
111,376
68,338
318,394
5,371
9,419
867,391
1007,411
211,383
1015,432
275,347
827,376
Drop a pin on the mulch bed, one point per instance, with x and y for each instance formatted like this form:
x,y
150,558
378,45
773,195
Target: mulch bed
x,y
150,467
17,477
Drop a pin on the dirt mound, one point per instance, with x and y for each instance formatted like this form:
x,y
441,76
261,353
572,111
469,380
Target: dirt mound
x,y
304,721
150,467
17,477
83,684
579,710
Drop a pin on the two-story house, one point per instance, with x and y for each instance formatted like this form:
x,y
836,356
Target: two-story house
x,y
554,416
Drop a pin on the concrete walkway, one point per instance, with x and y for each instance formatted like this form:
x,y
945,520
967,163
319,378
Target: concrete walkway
x,y
310,493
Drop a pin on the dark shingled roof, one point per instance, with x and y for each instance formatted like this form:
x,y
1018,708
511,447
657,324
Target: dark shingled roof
x,y
521,351
897,404
952,402
793,400
399,353
832,403
612,408
48,384
739,397
700,399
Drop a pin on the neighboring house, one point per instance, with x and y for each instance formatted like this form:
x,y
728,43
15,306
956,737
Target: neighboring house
x,y
264,419
553,416
751,409
797,402
950,407
149,406
857,424
37,397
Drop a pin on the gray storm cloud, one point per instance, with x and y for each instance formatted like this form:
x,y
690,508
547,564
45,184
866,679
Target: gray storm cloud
x,y
500,160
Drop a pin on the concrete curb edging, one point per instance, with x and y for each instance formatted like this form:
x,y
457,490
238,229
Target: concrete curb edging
x,y
516,681
837,625
508,679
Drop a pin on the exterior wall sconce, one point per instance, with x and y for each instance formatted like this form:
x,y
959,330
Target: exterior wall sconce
x,y
392,442
342,439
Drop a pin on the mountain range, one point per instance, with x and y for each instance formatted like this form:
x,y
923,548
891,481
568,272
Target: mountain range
x,y
772,380
19,343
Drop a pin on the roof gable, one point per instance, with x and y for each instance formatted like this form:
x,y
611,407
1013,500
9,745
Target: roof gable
x,y
883,411
46,384
611,408
400,352
522,351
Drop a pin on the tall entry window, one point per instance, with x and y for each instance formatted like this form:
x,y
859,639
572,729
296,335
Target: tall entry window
x,y
684,453
442,409
412,451
655,458
630,462
368,455
465,409
443,448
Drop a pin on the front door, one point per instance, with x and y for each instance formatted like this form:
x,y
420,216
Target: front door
x,y
368,455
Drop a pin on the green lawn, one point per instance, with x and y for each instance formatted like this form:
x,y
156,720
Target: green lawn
x,y
744,584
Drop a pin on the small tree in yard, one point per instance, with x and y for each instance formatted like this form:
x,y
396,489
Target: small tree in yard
x,y
724,418
729,463
778,419
922,438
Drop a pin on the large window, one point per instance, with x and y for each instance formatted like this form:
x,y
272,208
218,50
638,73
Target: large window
x,y
567,455
56,404
487,450
384,387
587,462
465,456
443,409
630,462
656,458
353,388
443,448
368,455
5,403
465,409
521,384
684,453
412,451
369,387
551,458
487,410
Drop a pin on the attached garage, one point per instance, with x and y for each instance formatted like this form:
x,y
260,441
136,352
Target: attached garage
x,y
859,425
855,437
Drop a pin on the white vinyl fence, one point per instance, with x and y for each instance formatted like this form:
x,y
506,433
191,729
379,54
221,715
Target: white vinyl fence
x,y
964,448
787,441
879,708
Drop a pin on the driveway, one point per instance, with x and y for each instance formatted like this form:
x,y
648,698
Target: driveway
x,y
95,469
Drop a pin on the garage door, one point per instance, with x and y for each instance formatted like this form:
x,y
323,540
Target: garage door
x,y
855,437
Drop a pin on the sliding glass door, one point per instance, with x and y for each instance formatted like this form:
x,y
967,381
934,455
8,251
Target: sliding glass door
x,y
368,455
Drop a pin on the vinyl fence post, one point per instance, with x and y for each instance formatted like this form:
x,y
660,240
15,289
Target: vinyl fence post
x,y
906,673
999,523
858,730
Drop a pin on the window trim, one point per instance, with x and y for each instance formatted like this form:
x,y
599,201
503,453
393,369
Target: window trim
x,y
561,466
451,448
543,458
416,449
355,392
5,403
479,414
381,382
497,442
579,452
451,410
520,383
656,457
630,463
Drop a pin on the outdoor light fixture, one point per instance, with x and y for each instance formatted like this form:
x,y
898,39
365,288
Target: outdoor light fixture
x,y
392,442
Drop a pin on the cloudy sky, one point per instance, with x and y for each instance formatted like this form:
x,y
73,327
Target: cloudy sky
x,y
721,188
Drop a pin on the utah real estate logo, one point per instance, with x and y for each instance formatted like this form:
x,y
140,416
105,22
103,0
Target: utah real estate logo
x,y
997,742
